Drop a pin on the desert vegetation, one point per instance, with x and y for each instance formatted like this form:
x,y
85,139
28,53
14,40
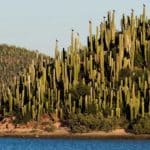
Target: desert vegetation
x,y
101,86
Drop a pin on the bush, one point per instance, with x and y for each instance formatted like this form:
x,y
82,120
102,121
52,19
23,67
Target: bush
x,y
79,90
22,119
126,72
88,122
139,60
79,129
83,122
106,125
50,128
141,126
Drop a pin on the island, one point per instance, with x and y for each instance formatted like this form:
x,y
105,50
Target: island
x,y
98,90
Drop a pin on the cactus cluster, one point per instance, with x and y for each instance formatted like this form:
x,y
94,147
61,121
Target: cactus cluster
x,y
111,75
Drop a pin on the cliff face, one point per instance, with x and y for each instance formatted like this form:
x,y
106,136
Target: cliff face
x,y
109,78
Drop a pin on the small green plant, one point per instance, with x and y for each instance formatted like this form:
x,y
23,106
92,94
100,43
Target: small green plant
x,y
141,125
50,128
126,72
22,119
139,60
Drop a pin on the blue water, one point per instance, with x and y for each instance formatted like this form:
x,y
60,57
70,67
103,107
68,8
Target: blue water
x,y
72,144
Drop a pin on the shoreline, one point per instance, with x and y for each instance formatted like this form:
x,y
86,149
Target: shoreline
x,y
67,135
48,129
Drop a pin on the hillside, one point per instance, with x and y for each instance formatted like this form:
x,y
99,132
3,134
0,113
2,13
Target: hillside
x,y
102,86
13,61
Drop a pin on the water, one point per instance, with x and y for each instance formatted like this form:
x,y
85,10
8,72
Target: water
x,y
72,144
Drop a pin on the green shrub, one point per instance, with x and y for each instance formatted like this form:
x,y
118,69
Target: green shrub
x,y
89,122
141,126
83,122
22,119
79,90
79,129
126,72
139,60
50,128
106,125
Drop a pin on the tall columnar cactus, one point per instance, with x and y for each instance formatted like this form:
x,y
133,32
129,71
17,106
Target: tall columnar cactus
x,y
113,28
57,50
142,107
10,101
90,36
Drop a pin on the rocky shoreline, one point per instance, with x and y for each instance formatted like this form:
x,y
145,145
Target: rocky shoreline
x,y
63,132
46,128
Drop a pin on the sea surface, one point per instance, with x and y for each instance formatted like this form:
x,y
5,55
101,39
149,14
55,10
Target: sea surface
x,y
72,144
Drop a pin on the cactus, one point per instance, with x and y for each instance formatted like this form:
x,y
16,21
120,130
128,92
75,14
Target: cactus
x,y
88,77
142,107
10,101
90,35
